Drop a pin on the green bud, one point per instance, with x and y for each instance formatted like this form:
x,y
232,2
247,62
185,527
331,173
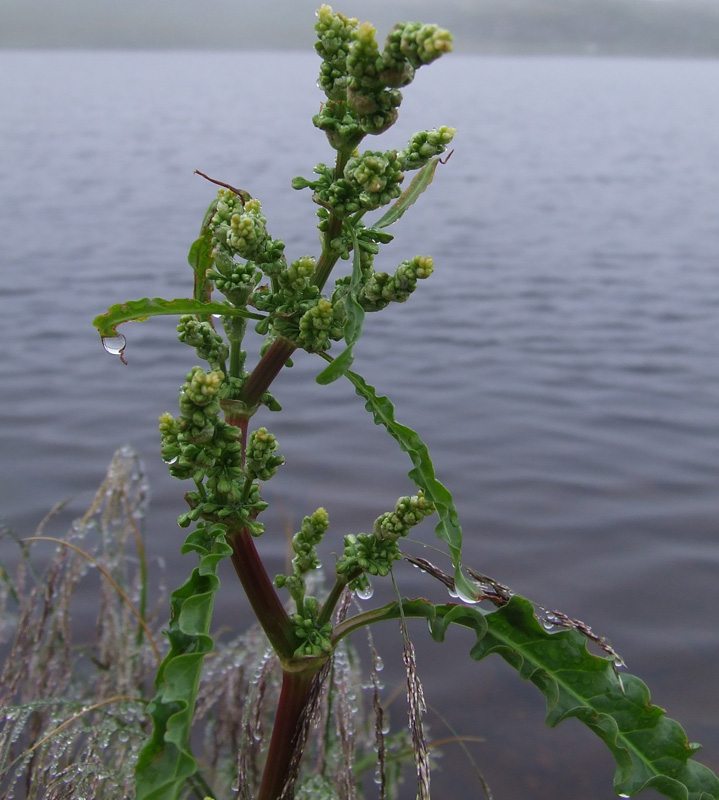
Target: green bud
x,y
425,145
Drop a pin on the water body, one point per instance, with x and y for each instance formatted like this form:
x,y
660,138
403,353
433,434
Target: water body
x,y
562,363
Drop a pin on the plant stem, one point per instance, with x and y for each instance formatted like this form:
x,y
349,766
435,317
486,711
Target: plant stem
x,y
294,701
334,228
261,593
334,596
267,369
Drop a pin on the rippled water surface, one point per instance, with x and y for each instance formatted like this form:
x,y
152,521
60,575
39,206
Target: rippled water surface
x,y
562,363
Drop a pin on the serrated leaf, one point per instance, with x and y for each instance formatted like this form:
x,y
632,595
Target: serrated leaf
x,y
140,310
422,474
409,196
354,321
650,749
166,762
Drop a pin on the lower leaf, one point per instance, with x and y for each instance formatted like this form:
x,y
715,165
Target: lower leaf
x,y
650,749
166,762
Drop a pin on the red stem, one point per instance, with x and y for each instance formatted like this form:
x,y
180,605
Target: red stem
x,y
294,699
261,593
267,369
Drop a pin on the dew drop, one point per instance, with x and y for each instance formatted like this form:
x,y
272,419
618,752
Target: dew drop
x,y
378,663
172,460
235,786
548,626
115,345
365,592
385,727
465,598
217,316
378,777
624,795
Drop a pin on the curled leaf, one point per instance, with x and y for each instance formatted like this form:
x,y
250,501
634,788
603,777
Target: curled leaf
x,y
141,310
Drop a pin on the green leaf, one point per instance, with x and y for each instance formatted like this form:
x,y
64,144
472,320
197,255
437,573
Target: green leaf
x,y
353,323
165,762
409,196
650,749
200,259
140,310
422,474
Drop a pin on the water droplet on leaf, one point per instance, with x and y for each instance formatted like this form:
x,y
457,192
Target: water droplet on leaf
x,y
466,598
365,592
115,345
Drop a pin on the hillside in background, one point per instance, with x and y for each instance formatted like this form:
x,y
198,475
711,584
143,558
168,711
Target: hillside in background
x,y
614,27
688,28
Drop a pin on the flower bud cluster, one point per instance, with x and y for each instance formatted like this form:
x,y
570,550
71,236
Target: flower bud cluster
x,y
368,94
382,288
416,44
235,279
365,552
341,125
408,512
373,554
200,402
315,638
425,145
240,229
334,36
261,463
294,288
362,83
208,344
239,226
304,543
369,180
374,178
319,326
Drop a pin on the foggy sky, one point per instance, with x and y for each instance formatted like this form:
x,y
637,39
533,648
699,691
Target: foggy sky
x,y
672,27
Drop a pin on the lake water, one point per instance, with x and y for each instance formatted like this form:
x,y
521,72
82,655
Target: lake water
x,y
562,363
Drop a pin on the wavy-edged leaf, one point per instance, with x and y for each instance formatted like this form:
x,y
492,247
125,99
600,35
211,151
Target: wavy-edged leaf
x,y
200,259
409,196
650,749
140,310
422,474
353,323
165,762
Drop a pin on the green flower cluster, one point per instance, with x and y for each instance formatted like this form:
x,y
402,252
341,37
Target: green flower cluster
x,y
424,146
208,344
315,638
373,554
382,288
239,230
415,43
334,36
304,544
361,83
201,446
239,226
319,326
235,279
261,462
